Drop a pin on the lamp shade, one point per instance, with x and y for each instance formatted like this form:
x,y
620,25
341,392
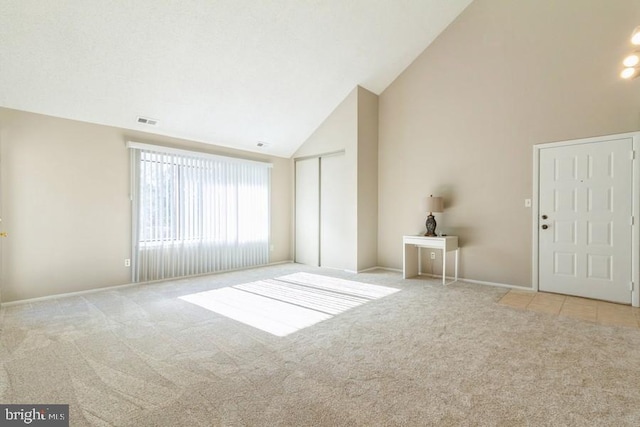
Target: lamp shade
x,y
434,204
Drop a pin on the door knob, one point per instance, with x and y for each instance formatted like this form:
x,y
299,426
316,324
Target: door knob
x,y
545,226
4,234
544,217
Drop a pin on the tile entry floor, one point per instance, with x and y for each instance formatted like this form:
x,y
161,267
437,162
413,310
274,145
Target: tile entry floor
x,y
602,312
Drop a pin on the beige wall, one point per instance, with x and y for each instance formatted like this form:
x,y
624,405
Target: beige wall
x,y
367,179
461,121
65,203
339,132
353,127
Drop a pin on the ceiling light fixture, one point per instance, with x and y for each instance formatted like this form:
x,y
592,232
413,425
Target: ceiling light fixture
x,y
627,73
635,36
632,61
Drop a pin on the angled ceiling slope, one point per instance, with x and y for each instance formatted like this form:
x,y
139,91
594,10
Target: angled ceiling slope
x,y
225,72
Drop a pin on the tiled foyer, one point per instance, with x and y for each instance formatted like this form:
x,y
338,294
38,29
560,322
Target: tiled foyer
x,y
602,312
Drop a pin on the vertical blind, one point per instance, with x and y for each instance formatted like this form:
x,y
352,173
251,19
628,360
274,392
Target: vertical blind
x,y
195,214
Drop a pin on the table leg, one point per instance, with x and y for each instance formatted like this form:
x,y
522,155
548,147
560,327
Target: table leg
x,y
409,262
457,251
444,266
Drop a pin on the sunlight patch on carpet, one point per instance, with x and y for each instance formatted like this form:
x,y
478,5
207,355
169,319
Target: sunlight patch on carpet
x,y
288,303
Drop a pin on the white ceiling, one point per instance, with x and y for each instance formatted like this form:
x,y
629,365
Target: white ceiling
x,y
224,72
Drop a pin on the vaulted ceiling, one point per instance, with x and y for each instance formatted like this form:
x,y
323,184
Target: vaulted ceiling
x,y
224,72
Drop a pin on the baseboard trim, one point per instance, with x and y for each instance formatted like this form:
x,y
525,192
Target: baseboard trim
x,y
368,269
128,285
395,270
68,294
352,271
478,282
462,279
361,271
499,285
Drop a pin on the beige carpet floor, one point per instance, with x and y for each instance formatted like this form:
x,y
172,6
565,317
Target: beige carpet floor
x,y
426,355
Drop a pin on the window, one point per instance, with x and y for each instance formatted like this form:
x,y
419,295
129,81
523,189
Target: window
x,y
197,214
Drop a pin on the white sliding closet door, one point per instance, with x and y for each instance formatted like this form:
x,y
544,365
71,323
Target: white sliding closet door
x,y
334,253
308,211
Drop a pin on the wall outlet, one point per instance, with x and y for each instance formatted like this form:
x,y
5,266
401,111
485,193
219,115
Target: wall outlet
x,y
433,255
127,262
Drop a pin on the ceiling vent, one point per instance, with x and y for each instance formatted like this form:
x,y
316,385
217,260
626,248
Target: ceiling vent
x,y
147,121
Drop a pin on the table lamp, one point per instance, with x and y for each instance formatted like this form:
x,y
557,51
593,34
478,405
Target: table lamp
x,y
434,204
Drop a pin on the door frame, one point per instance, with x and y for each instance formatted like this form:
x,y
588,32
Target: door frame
x,y
635,190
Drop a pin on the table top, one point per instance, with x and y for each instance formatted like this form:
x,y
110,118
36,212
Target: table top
x,y
420,236
447,242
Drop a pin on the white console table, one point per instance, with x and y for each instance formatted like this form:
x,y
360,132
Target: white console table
x,y
412,260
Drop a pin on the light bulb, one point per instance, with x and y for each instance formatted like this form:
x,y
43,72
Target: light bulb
x,y
631,60
635,37
627,73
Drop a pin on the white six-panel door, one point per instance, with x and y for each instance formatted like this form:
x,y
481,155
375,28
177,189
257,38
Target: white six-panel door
x,y
585,224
